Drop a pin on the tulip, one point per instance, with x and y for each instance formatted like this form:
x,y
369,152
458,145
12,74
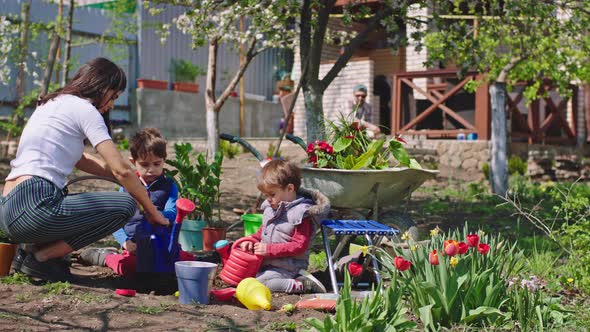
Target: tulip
x,y
463,248
483,248
453,262
401,264
451,247
355,269
433,258
472,240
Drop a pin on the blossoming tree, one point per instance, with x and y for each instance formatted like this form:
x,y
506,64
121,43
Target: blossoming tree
x,y
213,22
516,40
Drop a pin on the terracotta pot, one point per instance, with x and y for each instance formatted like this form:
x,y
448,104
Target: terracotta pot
x,y
152,84
212,235
7,251
185,87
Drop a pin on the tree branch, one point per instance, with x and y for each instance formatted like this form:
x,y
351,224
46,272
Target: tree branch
x,y
317,41
352,46
305,28
250,54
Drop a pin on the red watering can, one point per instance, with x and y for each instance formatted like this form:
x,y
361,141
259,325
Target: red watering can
x,y
240,264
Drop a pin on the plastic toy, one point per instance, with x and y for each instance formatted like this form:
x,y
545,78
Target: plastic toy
x,y
240,264
253,294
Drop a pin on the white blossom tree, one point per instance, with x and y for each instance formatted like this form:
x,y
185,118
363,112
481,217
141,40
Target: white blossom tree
x,y
216,22
8,34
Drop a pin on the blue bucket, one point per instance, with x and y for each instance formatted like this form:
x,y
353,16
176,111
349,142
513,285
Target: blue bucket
x,y
194,280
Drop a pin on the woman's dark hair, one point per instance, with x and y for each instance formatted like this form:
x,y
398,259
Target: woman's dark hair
x,y
92,81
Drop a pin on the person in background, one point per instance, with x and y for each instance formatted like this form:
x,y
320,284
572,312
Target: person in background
x,y
357,111
285,89
35,209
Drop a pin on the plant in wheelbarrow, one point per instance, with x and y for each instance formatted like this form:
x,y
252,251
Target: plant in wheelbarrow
x,y
198,180
359,172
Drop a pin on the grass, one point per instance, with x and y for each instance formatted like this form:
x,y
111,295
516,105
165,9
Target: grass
x,y
16,279
153,310
58,288
8,316
92,298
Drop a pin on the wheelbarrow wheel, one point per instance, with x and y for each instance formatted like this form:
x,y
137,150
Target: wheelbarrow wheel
x,y
401,221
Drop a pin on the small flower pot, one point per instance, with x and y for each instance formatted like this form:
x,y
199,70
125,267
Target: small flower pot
x,y
7,251
152,84
185,87
212,235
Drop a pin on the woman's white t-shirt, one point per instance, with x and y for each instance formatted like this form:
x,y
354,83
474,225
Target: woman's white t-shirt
x,y
53,139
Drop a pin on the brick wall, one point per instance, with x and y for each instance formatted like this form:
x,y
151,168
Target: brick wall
x,y
357,71
415,60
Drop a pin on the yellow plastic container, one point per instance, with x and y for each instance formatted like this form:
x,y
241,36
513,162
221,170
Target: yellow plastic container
x,y
253,294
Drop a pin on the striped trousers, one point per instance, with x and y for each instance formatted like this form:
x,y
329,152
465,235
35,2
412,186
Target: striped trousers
x,y
37,211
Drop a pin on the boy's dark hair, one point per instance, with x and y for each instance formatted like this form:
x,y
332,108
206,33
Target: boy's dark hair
x,y
146,141
279,173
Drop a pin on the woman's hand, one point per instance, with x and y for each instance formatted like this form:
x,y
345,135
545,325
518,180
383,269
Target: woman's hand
x,y
260,248
247,246
156,218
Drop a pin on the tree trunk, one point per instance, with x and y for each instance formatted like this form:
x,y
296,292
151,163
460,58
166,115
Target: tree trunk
x,y
314,113
50,63
25,15
499,164
68,44
210,101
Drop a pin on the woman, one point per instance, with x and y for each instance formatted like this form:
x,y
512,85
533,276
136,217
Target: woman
x,y
33,206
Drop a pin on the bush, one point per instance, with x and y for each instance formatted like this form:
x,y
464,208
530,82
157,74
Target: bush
x,y
516,165
228,149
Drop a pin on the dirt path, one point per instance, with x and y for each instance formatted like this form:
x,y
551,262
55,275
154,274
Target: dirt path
x,y
91,304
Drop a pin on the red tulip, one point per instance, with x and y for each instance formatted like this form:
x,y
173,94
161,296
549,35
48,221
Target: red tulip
x,y
401,264
463,248
433,258
355,269
472,240
451,247
483,248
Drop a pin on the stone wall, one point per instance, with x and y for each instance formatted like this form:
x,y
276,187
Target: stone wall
x,y
181,114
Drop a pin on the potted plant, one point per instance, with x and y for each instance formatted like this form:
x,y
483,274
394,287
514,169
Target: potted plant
x,y
7,251
198,181
143,83
184,74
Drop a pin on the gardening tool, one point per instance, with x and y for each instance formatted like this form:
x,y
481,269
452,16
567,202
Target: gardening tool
x,y
157,246
240,264
253,294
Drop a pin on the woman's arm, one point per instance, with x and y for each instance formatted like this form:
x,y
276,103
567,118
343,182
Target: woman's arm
x,y
93,165
123,172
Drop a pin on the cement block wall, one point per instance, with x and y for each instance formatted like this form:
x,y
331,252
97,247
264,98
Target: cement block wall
x,y
181,114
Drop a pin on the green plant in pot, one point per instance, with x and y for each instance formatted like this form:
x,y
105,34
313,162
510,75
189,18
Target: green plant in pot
x,y
7,251
199,181
184,74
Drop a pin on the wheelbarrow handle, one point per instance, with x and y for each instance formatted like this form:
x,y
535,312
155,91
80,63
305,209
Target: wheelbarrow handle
x,y
237,139
297,140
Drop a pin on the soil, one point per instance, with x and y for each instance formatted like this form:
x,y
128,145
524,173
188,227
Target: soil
x,y
90,303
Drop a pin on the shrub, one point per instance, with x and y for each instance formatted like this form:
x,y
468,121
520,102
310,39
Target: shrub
x,y
516,165
228,149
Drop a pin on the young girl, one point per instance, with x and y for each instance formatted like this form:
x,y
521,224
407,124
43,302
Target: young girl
x,y
290,218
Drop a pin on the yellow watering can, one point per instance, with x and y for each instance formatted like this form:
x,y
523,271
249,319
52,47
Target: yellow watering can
x,y
253,294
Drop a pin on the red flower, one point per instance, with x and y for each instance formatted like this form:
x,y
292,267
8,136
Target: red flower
x,y
349,136
433,258
483,248
472,240
401,264
463,248
400,139
310,147
355,269
451,247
